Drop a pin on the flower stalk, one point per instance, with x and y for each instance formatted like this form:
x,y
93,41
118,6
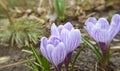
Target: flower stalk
x,y
67,60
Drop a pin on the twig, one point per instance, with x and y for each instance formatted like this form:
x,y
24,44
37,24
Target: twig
x,y
17,63
96,66
91,14
4,4
115,49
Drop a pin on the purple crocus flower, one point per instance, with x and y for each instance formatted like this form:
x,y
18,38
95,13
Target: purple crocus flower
x,y
54,50
102,31
69,36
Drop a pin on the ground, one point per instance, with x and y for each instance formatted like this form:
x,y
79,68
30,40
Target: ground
x,y
86,61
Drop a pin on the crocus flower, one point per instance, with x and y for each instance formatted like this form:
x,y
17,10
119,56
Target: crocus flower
x,y
102,31
54,50
69,36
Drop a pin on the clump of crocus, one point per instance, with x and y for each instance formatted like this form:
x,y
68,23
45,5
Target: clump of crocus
x,y
63,41
103,33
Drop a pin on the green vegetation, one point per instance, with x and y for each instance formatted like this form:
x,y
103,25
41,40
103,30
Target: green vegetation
x,y
22,33
60,7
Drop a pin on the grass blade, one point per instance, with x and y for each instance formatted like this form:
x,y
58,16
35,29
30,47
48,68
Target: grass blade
x,y
94,49
33,66
35,53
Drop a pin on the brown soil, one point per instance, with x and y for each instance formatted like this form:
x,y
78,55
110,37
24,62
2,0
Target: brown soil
x,y
15,56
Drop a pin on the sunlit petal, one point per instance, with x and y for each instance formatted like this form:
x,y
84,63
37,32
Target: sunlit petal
x,y
68,26
115,25
103,23
54,30
92,20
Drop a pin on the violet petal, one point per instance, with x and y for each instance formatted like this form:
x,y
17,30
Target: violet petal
x,y
54,30
59,54
68,26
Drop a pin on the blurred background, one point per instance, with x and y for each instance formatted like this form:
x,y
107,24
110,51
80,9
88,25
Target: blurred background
x,y
24,22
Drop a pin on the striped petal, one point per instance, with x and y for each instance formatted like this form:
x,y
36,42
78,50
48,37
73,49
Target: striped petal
x,y
92,20
71,39
89,26
100,35
68,26
60,28
75,39
49,51
59,54
115,25
65,38
43,45
103,23
54,30
54,40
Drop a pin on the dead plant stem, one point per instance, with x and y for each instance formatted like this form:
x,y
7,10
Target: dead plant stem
x,y
17,63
